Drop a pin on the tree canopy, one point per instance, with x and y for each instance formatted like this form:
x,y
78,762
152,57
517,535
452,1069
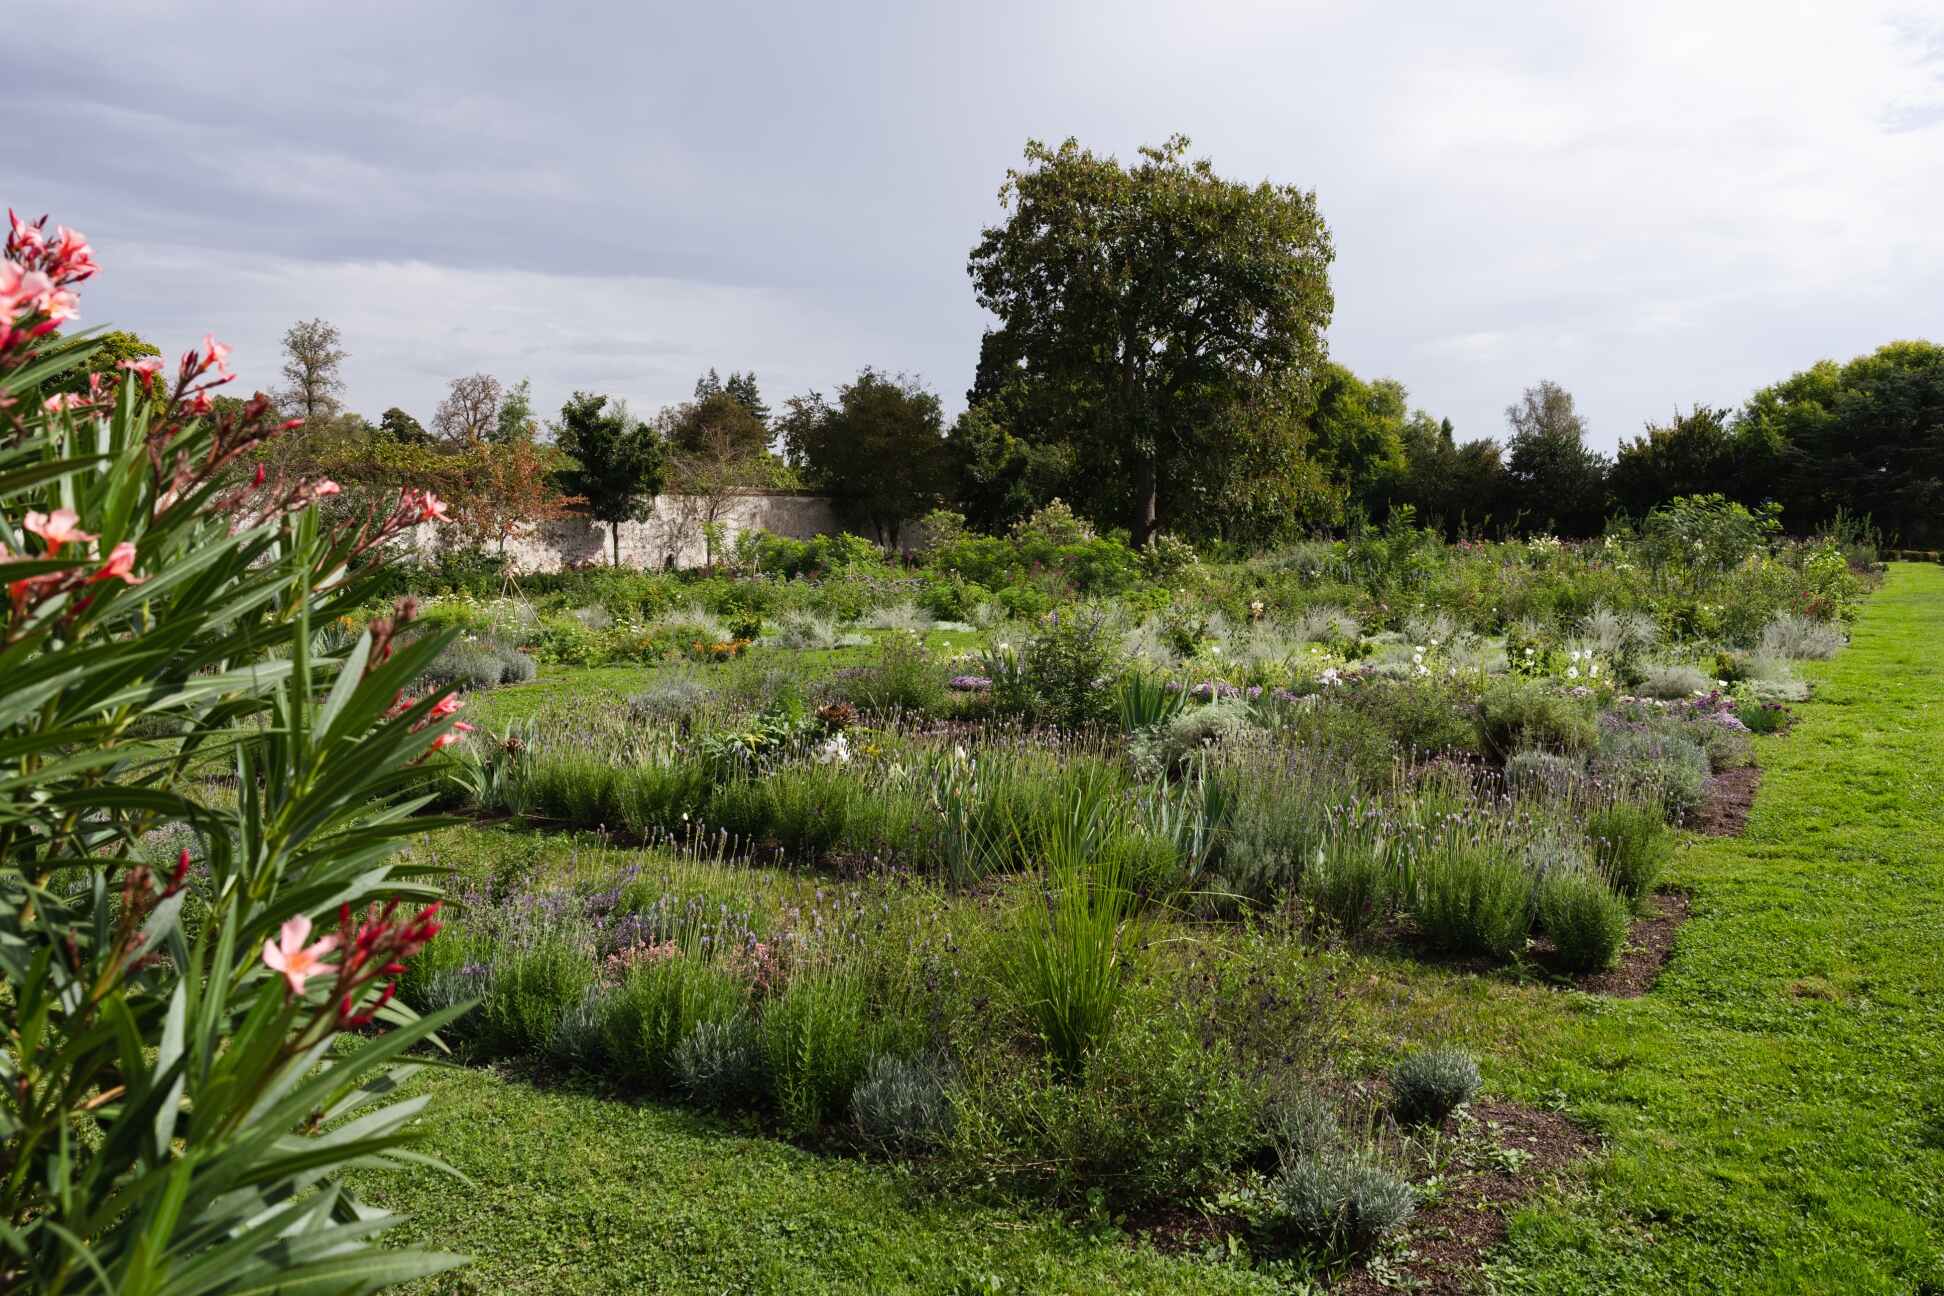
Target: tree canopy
x,y
617,463
1155,318
879,451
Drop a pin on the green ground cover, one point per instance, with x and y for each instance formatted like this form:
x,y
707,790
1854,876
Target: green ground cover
x,y
1772,1111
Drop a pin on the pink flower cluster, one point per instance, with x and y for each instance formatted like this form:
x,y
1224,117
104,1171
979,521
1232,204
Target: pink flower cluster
x,y
37,277
56,531
376,946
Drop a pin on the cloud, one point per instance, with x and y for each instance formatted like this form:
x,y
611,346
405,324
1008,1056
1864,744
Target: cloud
x,y
1653,204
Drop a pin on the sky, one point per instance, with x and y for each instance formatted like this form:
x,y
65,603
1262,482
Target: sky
x,y
1654,204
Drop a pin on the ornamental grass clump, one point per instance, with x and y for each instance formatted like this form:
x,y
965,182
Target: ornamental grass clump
x,y
1429,1084
183,1101
817,1042
1473,892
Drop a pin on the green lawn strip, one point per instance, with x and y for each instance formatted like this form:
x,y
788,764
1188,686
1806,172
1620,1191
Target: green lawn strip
x,y
577,1192
1773,1107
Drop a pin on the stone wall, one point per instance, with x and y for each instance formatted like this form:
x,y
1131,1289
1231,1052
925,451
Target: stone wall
x,y
672,536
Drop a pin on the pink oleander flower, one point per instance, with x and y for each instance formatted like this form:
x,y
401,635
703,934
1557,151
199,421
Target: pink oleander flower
x,y
64,400
76,257
323,488
26,237
215,354
430,507
57,528
120,566
451,736
146,366
445,706
295,960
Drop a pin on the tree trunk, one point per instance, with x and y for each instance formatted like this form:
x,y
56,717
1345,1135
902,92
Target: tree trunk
x,y
1147,507
614,534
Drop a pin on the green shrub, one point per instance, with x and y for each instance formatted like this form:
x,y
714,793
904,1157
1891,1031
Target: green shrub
x,y
1426,716
1473,897
1350,879
1068,660
1517,714
1341,736
720,1064
901,1106
530,991
656,1007
1340,1206
1160,1118
1544,774
1194,728
1429,1084
1670,768
817,1043
1585,917
902,677
1300,1125
1631,845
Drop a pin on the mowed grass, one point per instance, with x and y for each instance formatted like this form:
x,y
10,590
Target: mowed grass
x,y
1773,1111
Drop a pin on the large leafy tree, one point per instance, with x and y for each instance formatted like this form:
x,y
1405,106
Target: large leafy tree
x,y
617,463
1865,437
1561,481
879,452
1140,308
470,413
740,387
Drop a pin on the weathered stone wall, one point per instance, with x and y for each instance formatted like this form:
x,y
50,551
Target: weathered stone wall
x,y
672,536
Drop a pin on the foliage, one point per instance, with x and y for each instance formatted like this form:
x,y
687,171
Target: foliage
x,y
1342,1206
1151,318
184,1084
618,465
901,1105
1427,1085
878,452
1586,919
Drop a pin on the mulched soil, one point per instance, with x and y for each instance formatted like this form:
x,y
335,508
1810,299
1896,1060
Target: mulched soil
x,y
1725,801
1447,1240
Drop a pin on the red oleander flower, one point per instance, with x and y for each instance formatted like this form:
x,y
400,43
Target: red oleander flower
x,y
57,528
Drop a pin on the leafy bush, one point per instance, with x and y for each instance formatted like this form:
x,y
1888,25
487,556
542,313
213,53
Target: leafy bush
x,y
817,1043
670,701
1160,1118
720,1064
1671,768
1341,1206
903,677
1194,728
1473,897
1585,917
173,1031
480,664
1350,879
901,1106
1429,1084
1300,1125
1067,660
1514,715
1672,680
1543,774
658,1006
1631,845
530,990
1427,716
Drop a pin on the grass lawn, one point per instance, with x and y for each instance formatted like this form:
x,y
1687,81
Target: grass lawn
x,y
1774,1110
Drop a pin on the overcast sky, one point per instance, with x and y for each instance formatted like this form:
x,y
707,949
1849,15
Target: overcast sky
x,y
1651,203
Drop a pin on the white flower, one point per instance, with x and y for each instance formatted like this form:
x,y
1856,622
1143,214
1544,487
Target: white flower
x,y
1528,652
1593,671
1572,672
835,751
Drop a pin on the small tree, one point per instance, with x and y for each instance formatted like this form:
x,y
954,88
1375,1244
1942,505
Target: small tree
x,y
516,421
618,464
396,425
879,452
313,365
710,473
470,413
1560,480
